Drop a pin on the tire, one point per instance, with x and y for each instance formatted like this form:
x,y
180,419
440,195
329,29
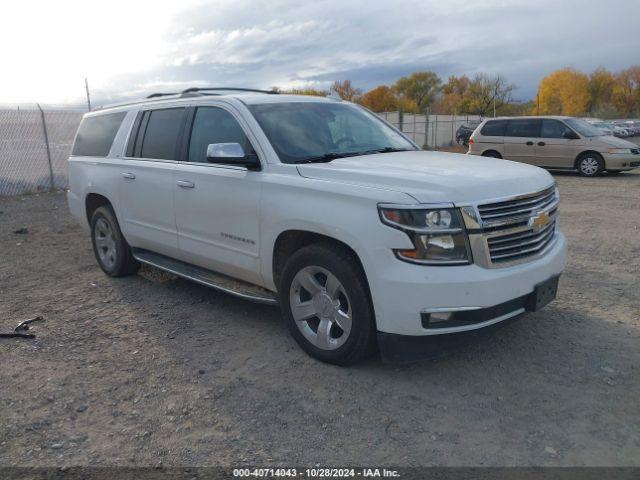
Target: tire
x,y
492,154
590,164
109,246
335,322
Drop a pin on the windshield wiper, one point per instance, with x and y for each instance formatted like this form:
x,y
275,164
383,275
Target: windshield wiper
x,y
387,150
327,157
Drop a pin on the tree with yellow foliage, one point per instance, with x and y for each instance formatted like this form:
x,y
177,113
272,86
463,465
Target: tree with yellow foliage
x,y
564,92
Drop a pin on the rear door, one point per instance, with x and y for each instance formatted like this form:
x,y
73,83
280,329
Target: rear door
x,y
217,206
553,149
520,139
147,180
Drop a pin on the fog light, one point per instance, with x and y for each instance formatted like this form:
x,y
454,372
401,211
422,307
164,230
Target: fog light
x,y
429,319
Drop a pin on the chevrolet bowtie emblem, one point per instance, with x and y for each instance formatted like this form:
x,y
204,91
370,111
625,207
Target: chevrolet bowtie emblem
x,y
539,220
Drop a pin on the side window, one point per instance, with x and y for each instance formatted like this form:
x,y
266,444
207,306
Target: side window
x,y
214,125
162,133
96,135
494,128
553,129
526,127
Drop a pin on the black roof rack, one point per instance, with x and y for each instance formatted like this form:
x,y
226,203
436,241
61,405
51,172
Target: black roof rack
x,y
156,95
231,89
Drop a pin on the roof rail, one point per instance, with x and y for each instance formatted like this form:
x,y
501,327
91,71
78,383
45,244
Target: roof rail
x,y
156,95
189,92
230,89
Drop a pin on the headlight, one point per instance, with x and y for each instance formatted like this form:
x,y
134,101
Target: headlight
x,y
619,150
437,234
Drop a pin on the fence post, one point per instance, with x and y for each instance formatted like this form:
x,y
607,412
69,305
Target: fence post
x,y
435,137
46,143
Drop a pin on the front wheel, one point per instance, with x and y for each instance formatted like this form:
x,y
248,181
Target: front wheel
x,y
590,165
326,304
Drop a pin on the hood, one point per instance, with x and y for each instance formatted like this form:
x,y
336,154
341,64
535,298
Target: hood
x,y
434,177
616,142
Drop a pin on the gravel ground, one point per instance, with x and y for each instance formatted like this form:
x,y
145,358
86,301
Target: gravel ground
x,y
152,369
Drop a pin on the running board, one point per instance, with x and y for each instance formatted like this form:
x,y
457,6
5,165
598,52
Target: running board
x,y
206,277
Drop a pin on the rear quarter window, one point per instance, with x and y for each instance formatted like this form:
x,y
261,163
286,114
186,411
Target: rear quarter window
x,y
96,134
494,128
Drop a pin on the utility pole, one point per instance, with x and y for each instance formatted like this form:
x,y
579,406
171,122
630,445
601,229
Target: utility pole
x,y
86,86
538,104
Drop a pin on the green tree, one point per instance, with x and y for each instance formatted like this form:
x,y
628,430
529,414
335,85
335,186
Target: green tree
x,y
626,91
419,87
601,84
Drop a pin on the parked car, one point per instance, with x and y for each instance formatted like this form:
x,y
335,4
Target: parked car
x,y
631,127
465,130
618,131
606,129
555,143
320,207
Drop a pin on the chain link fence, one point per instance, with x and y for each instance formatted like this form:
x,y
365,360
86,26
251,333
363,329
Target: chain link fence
x,y
34,147
429,131
35,144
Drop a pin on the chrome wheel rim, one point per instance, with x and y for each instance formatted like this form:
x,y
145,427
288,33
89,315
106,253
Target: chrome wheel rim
x,y
320,307
105,243
589,166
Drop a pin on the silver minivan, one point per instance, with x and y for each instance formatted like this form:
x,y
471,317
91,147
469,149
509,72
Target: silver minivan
x,y
554,143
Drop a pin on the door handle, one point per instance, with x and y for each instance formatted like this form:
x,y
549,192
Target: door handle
x,y
529,143
130,176
541,144
185,184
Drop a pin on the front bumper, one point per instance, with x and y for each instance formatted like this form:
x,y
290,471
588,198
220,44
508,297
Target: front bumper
x,y
407,348
402,293
621,161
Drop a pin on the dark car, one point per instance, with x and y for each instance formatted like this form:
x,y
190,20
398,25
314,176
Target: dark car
x,y
465,130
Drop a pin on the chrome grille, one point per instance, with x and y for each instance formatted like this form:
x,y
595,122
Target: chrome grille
x,y
515,246
511,231
517,208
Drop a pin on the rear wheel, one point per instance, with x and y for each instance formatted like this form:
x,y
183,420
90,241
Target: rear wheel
x,y
590,165
326,304
492,154
109,246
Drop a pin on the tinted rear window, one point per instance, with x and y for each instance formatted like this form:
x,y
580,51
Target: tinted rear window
x,y
526,127
96,135
494,128
162,132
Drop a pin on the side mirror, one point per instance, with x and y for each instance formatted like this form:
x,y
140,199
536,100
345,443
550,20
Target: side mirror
x,y
232,154
571,135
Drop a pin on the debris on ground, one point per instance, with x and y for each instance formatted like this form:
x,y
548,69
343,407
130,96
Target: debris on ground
x,y
21,231
21,328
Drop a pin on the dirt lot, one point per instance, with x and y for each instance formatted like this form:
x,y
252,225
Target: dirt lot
x,y
150,369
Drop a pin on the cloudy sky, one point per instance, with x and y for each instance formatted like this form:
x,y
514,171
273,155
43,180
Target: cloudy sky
x,y
130,48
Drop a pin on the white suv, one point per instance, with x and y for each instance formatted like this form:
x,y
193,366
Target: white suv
x,y
321,207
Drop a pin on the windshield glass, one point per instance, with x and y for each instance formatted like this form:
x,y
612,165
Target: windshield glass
x,y
314,131
584,128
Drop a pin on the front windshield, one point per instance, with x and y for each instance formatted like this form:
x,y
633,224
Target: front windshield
x,y
584,128
317,131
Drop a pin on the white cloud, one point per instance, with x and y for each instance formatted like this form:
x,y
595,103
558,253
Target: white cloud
x,y
129,48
